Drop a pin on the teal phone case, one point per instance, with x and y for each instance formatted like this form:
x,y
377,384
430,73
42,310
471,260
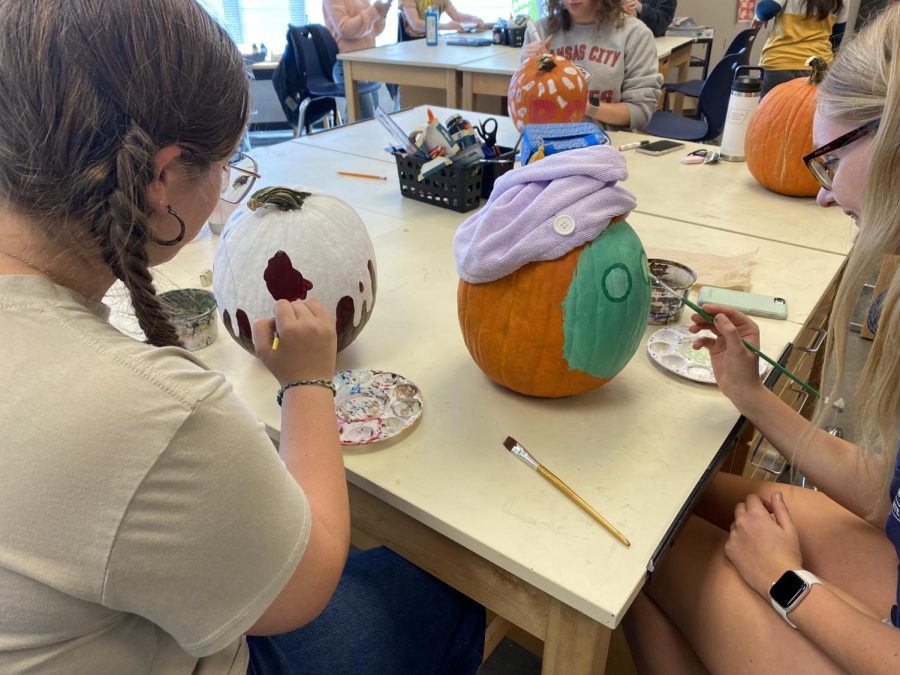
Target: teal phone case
x,y
750,303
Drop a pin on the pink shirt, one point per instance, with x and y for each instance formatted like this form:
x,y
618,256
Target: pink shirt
x,y
353,23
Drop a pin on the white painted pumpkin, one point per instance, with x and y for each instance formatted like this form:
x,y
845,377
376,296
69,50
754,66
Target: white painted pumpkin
x,y
319,248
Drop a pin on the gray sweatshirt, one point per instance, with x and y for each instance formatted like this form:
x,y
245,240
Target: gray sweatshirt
x,y
621,60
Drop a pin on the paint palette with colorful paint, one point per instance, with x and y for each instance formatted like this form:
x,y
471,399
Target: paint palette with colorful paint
x,y
374,405
672,348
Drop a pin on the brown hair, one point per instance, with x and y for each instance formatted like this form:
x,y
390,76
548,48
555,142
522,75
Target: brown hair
x,y
92,89
558,17
822,8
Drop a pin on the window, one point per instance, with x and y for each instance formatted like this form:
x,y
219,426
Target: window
x,y
265,22
258,22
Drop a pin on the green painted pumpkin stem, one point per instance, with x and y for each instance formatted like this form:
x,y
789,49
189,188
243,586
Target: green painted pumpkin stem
x,y
282,198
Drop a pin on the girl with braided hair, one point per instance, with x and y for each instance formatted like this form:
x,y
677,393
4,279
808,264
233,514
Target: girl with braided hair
x,y
146,523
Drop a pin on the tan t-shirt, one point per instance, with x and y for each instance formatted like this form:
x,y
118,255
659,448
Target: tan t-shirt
x,y
146,521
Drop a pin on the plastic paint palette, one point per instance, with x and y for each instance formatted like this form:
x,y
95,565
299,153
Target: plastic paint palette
x,y
374,405
672,349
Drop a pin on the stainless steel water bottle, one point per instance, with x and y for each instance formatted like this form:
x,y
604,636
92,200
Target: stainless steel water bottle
x,y
741,106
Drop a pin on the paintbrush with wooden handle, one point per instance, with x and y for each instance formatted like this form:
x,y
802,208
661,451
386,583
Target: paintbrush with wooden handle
x,y
516,448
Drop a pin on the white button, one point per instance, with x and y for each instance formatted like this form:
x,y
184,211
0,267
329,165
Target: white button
x,y
564,224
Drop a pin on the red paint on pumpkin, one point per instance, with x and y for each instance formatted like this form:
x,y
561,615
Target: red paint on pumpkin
x,y
346,309
283,281
244,335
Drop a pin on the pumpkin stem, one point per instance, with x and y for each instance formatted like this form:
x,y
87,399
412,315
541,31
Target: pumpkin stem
x,y
546,63
819,68
282,198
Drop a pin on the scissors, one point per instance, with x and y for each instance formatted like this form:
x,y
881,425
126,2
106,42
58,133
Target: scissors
x,y
487,129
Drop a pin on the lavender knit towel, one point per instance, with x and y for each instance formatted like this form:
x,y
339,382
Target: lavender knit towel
x,y
524,221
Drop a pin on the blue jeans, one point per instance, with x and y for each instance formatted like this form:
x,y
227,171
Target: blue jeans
x,y
367,102
387,617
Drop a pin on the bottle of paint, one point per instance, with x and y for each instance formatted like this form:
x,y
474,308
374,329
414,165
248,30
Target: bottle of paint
x,y
431,26
741,106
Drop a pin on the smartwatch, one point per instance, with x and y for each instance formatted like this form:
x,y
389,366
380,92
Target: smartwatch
x,y
789,591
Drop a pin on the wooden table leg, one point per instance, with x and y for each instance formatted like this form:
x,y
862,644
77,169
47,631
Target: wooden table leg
x,y
468,96
452,79
681,59
351,92
575,644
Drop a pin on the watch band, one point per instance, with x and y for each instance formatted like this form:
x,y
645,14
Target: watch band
x,y
809,579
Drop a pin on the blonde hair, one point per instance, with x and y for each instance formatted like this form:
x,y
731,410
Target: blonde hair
x,y
863,85
92,89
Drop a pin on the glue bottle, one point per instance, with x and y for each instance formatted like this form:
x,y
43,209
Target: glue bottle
x,y
741,106
431,26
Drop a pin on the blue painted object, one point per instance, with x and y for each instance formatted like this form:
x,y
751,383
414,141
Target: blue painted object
x,y
560,137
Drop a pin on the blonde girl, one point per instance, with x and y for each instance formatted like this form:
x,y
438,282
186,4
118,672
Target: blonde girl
x,y
773,578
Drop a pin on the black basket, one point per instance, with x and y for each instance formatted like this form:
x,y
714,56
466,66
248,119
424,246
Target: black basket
x,y
458,189
496,167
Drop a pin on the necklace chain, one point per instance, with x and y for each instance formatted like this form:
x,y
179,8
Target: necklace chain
x,y
29,263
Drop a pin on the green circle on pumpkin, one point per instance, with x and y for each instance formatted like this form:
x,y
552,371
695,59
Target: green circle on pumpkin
x,y
617,288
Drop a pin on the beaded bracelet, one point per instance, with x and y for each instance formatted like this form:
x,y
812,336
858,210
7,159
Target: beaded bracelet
x,y
303,383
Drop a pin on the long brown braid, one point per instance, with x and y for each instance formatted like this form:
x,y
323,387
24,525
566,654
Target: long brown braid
x,y
92,90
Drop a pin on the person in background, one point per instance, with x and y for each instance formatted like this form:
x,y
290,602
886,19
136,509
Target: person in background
x,y
801,30
413,14
616,49
354,25
147,523
657,14
768,577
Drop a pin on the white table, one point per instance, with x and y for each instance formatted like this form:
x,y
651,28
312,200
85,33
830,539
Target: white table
x,y
448,496
721,196
412,63
726,196
491,75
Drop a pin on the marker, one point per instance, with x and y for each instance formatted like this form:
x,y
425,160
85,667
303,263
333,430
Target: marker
x,y
532,29
632,146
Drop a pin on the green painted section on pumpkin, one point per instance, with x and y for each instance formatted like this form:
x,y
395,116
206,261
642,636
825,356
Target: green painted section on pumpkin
x,y
606,308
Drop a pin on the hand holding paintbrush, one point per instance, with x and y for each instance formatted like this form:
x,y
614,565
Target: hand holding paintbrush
x,y
717,346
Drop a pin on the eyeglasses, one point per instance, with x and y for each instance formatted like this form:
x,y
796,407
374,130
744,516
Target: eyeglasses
x,y
823,169
240,173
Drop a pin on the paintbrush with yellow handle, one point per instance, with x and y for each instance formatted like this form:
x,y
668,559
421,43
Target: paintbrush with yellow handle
x,y
516,448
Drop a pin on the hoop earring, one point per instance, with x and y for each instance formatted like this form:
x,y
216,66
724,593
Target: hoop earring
x,y
171,242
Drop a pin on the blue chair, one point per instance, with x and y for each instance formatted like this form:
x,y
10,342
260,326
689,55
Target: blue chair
x,y
742,42
402,35
316,53
713,105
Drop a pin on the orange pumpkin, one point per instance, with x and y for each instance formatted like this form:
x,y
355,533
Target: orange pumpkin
x,y
547,89
540,329
780,134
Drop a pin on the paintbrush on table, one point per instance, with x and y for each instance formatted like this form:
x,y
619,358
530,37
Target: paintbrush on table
x,y
515,448
709,317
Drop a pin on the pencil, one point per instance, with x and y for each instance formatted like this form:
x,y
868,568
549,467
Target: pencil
x,y
361,175
275,342
772,362
519,451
